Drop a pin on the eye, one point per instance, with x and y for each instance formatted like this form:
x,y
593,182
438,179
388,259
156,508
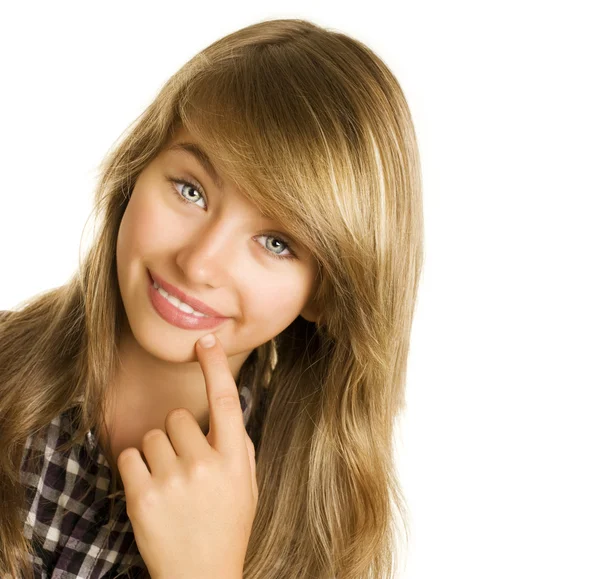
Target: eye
x,y
187,186
280,241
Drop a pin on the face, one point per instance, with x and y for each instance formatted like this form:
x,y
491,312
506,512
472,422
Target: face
x,y
217,248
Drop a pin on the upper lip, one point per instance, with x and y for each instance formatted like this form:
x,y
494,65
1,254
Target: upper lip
x,y
193,302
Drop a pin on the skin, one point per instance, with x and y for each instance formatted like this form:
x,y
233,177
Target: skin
x,y
216,250
175,424
193,506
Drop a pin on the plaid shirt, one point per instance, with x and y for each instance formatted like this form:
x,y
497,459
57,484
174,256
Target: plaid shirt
x,y
68,507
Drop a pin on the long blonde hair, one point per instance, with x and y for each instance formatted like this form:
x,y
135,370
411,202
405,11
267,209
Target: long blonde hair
x,y
314,128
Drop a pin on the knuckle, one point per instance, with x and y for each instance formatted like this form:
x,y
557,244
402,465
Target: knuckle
x,y
125,454
177,413
228,401
146,500
199,469
151,434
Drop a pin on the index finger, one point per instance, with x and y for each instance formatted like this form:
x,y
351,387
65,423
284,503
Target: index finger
x,y
225,411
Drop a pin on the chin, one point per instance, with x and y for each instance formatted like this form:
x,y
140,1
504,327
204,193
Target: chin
x,y
162,345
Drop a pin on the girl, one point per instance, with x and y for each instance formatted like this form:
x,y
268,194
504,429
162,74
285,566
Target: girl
x,y
271,196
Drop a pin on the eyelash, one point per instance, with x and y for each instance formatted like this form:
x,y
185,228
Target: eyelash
x,y
285,242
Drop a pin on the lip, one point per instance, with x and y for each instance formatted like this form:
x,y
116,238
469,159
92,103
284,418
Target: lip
x,y
193,302
174,316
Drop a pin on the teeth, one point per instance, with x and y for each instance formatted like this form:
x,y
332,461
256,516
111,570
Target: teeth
x,y
178,303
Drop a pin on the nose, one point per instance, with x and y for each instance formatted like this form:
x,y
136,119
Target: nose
x,y
210,253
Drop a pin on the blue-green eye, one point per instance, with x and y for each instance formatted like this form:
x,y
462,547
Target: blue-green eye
x,y
283,242
181,195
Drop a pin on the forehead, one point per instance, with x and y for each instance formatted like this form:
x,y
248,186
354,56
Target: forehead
x,y
184,135
184,143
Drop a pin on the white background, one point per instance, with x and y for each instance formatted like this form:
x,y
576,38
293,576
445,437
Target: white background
x,y
498,448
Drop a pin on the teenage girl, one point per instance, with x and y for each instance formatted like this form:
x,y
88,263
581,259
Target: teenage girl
x,y
213,393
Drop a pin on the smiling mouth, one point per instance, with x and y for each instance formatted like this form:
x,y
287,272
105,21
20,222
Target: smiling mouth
x,y
175,313
179,298
182,306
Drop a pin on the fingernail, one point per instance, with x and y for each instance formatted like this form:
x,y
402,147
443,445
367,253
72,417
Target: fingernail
x,y
207,341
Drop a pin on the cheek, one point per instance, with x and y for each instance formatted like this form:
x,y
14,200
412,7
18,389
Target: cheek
x,y
142,226
274,302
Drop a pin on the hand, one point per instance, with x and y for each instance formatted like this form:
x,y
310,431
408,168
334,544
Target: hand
x,y
192,512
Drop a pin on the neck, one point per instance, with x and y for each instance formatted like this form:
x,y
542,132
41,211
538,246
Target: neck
x,y
145,389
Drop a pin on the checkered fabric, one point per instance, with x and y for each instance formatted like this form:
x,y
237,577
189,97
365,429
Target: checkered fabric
x,y
68,507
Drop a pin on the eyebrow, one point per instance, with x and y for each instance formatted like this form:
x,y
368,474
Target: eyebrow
x,y
201,157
